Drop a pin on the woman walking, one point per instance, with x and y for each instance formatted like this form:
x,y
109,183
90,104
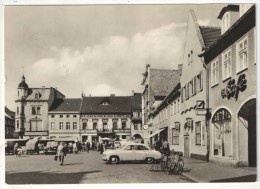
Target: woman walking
x,y
61,153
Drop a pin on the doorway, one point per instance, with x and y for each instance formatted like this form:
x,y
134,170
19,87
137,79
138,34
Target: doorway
x,y
186,146
248,112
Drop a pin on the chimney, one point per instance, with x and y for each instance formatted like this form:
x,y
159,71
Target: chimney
x,y
112,95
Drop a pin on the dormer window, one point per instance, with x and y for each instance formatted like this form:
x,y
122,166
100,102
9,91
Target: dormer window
x,y
105,103
225,22
36,96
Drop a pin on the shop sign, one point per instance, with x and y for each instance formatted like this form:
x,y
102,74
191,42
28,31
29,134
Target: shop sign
x,y
233,88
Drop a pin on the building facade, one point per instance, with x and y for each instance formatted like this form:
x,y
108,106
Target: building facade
x,y
157,83
231,62
31,118
194,88
9,123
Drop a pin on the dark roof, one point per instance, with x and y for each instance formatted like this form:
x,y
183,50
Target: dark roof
x,y
237,30
228,8
136,101
163,81
9,112
209,34
116,104
66,105
23,84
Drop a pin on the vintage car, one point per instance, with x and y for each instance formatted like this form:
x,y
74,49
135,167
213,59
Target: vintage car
x,y
51,147
131,152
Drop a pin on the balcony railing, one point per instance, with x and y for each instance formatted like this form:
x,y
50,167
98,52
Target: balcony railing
x,y
105,130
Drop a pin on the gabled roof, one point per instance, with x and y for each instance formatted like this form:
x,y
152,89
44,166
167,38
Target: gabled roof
x,y
66,105
9,113
209,35
117,104
136,101
163,81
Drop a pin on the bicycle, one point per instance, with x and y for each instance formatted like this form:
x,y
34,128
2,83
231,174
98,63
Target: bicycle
x,y
175,164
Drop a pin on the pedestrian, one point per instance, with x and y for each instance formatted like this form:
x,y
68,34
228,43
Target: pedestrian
x,y
16,149
101,148
165,147
87,146
75,149
93,146
61,152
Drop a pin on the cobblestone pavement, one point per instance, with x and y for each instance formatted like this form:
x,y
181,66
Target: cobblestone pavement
x,y
80,169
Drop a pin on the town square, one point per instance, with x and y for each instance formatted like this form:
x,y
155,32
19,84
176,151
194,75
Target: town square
x,y
131,93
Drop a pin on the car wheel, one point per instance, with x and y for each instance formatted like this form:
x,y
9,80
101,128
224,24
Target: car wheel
x,y
149,160
114,159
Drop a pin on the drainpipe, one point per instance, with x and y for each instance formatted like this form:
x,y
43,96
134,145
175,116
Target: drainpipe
x,y
208,113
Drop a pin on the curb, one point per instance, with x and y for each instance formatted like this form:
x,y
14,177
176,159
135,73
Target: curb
x,y
191,178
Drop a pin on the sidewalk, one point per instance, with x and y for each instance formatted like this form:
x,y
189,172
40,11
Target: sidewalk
x,y
201,171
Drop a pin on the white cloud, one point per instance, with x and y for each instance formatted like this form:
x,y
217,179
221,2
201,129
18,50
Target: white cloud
x,y
114,66
204,22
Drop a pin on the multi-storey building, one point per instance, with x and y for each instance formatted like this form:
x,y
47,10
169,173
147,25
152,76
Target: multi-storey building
x,y
9,123
64,118
157,85
193,88
33,104
166,119
231,62
136,116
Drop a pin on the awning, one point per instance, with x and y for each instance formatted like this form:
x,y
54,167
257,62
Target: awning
x,y
155,133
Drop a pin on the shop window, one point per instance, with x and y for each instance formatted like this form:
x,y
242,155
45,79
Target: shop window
x,y
222,133
226,66
242,54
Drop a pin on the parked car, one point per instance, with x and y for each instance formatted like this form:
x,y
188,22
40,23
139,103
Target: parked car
x,y
131,152
9,145
51,147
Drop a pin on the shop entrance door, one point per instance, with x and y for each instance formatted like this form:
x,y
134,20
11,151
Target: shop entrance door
x,y
186,146
248,112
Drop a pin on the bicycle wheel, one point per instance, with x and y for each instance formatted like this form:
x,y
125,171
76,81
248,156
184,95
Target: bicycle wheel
x,y
180,166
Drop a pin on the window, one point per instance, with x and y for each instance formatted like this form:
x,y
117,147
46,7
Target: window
x,y
17,124
84,126
225,22
61,125
74,125
74,116
67,125
135,126
52,125
174,109
226,66
52,116
61,116
94,125
199,83
178,106
187,91
114,123
192,87
135,114
214,73
242,62
191,56
176,133
198,133
67,115
123,125
17,110
105,126
36,96
36,110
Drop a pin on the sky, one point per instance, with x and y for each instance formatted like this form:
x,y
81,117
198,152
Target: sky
x,y
97,49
